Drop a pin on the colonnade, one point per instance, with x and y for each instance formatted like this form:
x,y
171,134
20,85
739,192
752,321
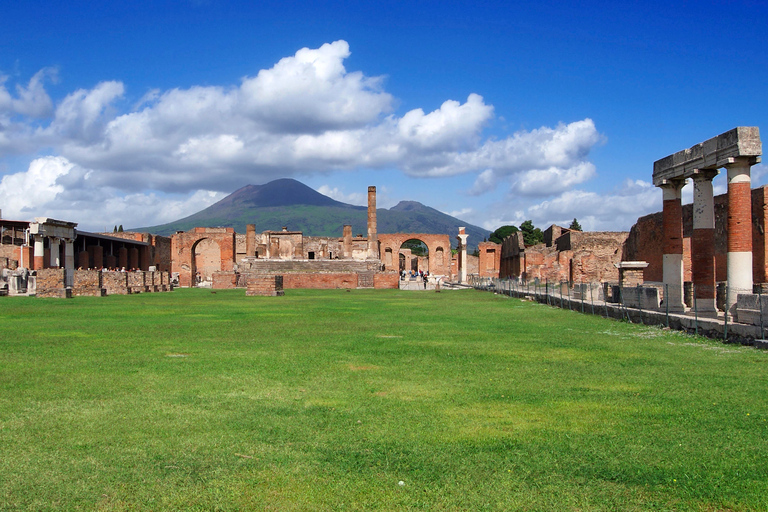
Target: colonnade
x,y
736,151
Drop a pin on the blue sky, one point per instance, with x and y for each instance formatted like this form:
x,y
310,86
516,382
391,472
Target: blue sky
x,y
144,112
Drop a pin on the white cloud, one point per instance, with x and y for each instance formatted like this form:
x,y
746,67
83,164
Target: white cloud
x,y
306,114
356,198
618,210
546,182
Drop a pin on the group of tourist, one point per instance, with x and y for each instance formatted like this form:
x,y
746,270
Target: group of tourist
x,y
413,275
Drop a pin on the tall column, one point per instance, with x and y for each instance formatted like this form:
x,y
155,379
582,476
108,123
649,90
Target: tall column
x,y
703,242
250,240
38,262
347,244
373,238
55,259
462,237
69,263
673,245
739,231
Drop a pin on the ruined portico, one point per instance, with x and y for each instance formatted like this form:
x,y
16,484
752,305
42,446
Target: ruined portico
x,y
735,150
56,232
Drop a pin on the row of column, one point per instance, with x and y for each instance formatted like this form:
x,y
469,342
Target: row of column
x,y
739,231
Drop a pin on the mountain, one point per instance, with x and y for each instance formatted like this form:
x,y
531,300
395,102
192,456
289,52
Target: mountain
x,y
290,203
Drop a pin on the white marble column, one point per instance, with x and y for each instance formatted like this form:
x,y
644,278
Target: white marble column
x,y
462,236
69,262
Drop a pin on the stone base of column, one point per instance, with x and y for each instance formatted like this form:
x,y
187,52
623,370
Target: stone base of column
x,y
673,280
706,308
739,278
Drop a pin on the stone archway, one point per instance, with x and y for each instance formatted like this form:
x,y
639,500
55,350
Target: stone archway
x,y
184,245
437,251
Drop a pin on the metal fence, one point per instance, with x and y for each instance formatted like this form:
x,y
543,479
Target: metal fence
x,y
635,304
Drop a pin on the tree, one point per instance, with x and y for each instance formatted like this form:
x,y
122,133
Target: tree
x,y
120,229
115,230
575,226
531,235
503,232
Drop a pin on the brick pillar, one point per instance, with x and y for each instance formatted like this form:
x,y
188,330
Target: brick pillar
x,y
122,258
97,255
39,257
347,247
673,245
739,231
133,258
373,237
250,240
703,242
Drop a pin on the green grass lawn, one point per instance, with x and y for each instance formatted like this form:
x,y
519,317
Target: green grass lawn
x,y
328,399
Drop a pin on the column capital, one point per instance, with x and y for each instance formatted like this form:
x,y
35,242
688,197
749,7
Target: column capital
x,y
673,183
704,174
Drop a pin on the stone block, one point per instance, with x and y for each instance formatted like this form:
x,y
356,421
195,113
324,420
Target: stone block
x,y
265,286
51,283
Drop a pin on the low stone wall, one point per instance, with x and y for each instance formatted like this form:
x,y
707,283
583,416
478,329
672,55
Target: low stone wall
x,y
51,284
136,282
88,283
115,283
265,286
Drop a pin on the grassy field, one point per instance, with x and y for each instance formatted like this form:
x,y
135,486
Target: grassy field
x,y
327,400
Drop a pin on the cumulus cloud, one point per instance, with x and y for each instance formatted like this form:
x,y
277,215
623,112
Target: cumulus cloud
x,y
306,114
55,187
617,210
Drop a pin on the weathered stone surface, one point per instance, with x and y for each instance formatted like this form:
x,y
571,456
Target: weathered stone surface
x,y
265,286
115,283
88,283
51,283
743,141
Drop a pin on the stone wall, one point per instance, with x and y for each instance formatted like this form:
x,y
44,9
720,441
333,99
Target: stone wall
x,y
115,283
88,283
51,284
386,280
136,282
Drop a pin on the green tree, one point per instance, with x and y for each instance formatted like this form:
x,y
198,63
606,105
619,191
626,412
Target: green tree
x,y
575,226
531,234
120,229
115,230
503,232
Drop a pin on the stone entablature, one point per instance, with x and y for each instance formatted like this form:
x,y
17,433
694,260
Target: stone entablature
x,y
715,153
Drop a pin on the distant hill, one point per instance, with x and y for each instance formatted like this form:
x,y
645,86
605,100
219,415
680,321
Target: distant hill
x,y
290,203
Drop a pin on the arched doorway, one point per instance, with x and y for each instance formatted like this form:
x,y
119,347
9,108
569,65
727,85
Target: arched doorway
x,y
414,256
206,259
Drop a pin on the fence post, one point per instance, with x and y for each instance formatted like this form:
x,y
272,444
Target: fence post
x,y
725,327
666,302
695,311
605,301
581,290
760,301
592,298
639,303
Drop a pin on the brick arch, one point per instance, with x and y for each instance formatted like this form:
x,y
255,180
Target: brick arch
x,y
183,250
434,243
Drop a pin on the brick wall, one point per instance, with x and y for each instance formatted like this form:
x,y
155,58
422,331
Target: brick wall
x,y
265,286
386,280
489,260
224,280
320,281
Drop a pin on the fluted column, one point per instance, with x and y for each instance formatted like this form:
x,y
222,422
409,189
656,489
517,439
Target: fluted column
x,y
462,238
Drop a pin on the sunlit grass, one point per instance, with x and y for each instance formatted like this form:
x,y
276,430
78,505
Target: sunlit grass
x,y
327,399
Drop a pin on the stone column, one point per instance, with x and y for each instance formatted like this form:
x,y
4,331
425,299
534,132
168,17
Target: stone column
x,y
373,238
347,245
673,245
55,258
739,231
703,242
39,257
69,262
462,237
